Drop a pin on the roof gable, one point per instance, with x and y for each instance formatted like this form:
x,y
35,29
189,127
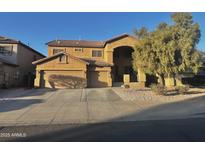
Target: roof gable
x,y
44,60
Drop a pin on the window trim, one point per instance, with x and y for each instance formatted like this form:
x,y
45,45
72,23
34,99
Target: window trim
x,y
78,49
59,50
5,52
98,53
64,61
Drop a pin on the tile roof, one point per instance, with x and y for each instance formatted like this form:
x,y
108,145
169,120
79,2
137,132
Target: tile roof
x,y
85,43
6,40
76,43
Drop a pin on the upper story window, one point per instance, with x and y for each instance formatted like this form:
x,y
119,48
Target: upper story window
x,y
63,59
55,51
96,53
6,50
79,49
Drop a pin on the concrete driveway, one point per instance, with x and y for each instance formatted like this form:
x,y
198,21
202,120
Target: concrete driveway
x,y
44,106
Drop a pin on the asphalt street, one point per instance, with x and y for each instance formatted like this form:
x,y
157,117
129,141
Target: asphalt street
x,y
186,130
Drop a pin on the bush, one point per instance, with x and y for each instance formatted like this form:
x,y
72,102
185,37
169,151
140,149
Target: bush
x,y
182,89
3,86
126,86
159,89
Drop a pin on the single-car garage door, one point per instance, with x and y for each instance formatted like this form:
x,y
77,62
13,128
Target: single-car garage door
x,y
97,79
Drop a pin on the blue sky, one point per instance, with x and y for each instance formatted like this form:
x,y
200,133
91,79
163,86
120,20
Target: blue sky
x,y
36,29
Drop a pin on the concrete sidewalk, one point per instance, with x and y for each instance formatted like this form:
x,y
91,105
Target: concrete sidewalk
x,y
81,106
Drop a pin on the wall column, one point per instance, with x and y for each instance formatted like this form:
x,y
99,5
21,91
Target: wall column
x,y
37,79
86,78
108,56
109,78
141,76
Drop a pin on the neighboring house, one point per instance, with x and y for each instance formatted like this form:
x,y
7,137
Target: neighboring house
x,y
80,63
16,59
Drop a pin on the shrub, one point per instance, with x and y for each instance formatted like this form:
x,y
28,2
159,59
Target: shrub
x,y
3,86
126,86
182,89
159,89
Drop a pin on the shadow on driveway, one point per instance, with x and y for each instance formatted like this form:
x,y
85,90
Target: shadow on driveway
x,y
190,129
16,104
20,92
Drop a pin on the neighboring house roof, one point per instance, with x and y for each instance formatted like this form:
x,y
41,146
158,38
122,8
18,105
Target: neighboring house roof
x,y
56,55
5,40
85,43
96,62
7,62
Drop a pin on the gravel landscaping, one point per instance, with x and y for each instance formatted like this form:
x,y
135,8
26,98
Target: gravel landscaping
x,y
144,95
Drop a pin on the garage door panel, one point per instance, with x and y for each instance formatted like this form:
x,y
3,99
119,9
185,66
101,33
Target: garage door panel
x,y
65,79
98,79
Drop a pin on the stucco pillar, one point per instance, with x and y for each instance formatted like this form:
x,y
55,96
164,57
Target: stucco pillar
x,y
109,56
37,79
141,78
109,79
85,77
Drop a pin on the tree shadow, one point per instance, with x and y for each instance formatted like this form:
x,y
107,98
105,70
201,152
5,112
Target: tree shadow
x,y
137,126
66,81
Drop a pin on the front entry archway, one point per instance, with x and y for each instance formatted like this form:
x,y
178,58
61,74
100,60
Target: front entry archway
x,y
122,60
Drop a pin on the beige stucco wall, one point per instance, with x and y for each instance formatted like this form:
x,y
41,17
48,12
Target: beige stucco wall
x,y
99,77
85,53
109,48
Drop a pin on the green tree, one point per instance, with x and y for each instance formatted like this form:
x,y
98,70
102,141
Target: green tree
x,y
169,50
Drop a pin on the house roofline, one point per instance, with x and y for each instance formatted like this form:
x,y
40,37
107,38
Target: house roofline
x,y
57,55
103,45
13,41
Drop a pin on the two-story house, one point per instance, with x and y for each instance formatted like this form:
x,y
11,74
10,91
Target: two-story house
x,y
16,59
81,63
